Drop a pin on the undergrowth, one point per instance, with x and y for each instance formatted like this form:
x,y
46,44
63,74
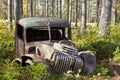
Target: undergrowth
x,y
105,48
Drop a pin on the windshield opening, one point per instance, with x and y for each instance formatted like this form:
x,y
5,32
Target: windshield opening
x,y
42,35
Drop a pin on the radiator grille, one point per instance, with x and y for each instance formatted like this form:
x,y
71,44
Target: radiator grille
x,y
64,62
69,50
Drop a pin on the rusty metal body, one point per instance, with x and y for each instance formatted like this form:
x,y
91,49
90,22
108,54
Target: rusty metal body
x,y
40,39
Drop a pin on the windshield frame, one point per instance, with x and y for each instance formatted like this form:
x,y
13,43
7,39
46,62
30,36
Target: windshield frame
x,y
61,30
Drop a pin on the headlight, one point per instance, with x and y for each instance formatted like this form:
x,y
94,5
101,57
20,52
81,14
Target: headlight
x,y
32,50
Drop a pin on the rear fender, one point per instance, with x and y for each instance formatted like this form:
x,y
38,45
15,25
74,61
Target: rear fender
x,y
28,59
17,60
24,60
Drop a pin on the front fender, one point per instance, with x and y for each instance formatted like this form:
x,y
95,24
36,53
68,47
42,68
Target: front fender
x,y
89,61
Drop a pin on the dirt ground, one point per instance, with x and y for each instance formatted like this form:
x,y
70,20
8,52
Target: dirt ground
x,y
114,69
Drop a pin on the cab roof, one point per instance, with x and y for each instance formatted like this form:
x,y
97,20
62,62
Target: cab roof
x,y
43,21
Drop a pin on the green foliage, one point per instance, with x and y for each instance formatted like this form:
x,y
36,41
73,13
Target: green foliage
x,y
6,43
17,72
101,70
103,47
115,34
8,72
116,54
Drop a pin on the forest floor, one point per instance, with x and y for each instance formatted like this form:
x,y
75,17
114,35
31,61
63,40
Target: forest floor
x,y
114,70
113,67
113,74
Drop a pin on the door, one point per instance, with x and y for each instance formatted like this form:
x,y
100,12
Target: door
x,y
20,45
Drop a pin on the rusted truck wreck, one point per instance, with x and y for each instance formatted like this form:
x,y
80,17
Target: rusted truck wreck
x,y
42,39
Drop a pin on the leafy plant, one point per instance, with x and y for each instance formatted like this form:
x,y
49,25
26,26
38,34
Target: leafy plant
x,y
6,43
101,70
18,72
116,54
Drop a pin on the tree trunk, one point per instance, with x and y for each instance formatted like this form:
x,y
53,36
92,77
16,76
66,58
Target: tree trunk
x,y
60,8
13,9
21,8
52,8
76,13
57,7
17,16
17,10
97,13
46,7
89,11
10,15
79,9
34,7
4,10
31,8
69,18
105,16
83,19
27,8
115,11
115,16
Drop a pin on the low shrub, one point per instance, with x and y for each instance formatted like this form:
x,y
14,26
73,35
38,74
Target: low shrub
x,y
17,72
6,43
116,54
103,46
